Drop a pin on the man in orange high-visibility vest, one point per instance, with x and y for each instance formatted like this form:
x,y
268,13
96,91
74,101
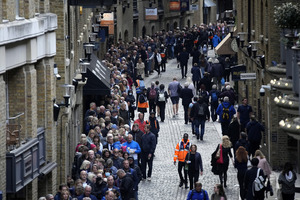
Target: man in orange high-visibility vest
x,y
181,150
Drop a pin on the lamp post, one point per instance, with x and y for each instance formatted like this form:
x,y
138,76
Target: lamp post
x,y
88,50
92,37
83,68
242,36
254,47
96,28
231,29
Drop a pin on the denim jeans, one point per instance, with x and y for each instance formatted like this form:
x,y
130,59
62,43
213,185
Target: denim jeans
x,y
199,122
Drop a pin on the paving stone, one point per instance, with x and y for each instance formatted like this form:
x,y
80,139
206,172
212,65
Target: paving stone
x,y
165,179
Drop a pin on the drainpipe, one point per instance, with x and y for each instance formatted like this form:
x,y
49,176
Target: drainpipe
x,y
249,20
60,157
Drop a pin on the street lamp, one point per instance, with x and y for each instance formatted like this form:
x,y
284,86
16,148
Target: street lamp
x,y
93,37
231,29
83,65
254,47
242,36
88,50
67,93
96,28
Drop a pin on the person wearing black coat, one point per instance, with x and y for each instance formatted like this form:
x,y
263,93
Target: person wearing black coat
x,y
223,161
153,124
130,100
194,162
126,185
196,75
161,101
234,130
240,163
186,95
148,147
254,129
199,119
183,59
218,72
242,142
250,176
196,55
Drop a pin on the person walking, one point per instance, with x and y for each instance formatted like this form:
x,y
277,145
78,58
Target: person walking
x,y
199,114
193,162
183,59
196,75
161,101
287,179
223,152
214,102
263,163
148,147
244,112
181,150
219,193
254,129
186,95
234,132
198,193
240,163
250,176
174,92
154,124
152,96
225,111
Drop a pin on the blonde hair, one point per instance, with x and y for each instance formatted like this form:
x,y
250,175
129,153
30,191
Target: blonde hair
x,y
84,164
90,176
226,142
259,153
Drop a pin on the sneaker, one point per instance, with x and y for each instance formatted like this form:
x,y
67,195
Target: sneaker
x,y
149,179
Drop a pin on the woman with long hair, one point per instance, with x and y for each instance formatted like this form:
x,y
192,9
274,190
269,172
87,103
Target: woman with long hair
x,y
287,179
223,160
240,164
219,193
263,163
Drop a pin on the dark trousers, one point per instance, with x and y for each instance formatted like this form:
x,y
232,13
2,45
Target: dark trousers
x,y
193,176
196,85
162,108
224,127
145,161
131,113
183,69
163,66
180,166
253,147
213,108
240,177
152,106
186,116
288,196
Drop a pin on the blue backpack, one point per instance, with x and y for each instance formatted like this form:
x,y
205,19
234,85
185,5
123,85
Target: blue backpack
x,y
214,97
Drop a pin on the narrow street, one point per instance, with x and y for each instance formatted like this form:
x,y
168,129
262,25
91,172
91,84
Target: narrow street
x,y
165,179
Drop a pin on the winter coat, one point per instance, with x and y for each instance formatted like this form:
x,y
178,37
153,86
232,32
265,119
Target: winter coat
x,y
186,94
198,161
148,143
287,182
196,73
254,129
216,40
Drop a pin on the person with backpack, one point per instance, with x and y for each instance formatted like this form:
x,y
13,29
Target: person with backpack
x,y
225,111
152,95
143,102
161,101
254,130
199,114
252,183
198,193
139,86
214,102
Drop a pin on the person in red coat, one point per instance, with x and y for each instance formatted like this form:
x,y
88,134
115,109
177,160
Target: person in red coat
x,y
141,122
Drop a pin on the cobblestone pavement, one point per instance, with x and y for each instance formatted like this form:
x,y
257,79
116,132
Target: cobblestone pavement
x,y
165,179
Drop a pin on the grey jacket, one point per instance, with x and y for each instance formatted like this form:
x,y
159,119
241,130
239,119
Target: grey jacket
x,y
288,184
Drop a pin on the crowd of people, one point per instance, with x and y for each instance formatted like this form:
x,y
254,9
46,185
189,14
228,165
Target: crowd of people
x,y
116,150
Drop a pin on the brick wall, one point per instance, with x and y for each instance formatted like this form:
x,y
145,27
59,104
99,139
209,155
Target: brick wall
x,y
2,136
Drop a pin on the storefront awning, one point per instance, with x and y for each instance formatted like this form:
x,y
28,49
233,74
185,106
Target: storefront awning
x,y
209,3
224,47
98,78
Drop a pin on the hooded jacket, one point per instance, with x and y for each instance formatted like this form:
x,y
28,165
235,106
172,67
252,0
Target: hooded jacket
x,y
288,182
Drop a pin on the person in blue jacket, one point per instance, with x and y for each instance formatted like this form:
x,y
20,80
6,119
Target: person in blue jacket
x,y
225,111
132,147
198,193
216,40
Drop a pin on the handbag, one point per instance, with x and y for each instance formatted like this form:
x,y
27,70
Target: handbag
x,y
220,160
218,153
269,188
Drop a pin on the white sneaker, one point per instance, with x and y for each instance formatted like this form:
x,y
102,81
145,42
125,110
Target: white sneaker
x,y
149,179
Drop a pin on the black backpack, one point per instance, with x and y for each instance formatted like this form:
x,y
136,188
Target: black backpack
x,y
201,110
